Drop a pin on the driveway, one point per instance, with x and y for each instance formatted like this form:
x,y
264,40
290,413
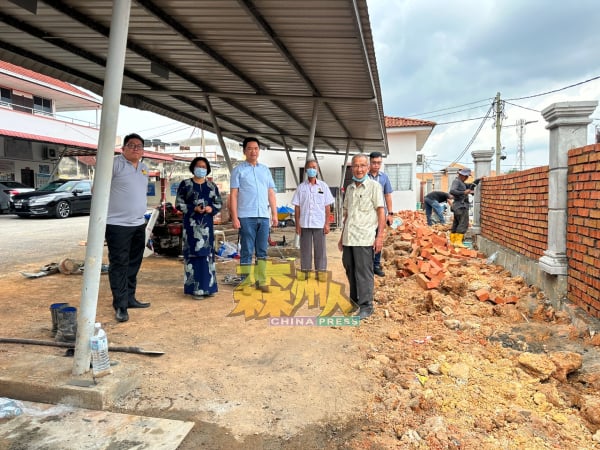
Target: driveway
x,y
27,244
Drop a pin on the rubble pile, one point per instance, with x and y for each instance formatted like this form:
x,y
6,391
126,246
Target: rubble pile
x,y
470,357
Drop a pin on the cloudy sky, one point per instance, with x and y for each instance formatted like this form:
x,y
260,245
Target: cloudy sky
x,y
445,61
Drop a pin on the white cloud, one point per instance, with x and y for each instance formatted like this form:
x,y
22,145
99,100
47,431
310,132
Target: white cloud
x,y
436,54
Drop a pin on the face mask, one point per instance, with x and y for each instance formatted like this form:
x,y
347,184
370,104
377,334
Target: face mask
x,y
360,180
200,172
311,173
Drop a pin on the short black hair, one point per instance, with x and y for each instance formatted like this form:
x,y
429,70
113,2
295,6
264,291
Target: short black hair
x,y
195,161
375,155
248,140
132,136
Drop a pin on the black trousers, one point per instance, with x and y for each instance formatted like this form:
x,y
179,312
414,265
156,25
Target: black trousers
x,y
460,223
125,252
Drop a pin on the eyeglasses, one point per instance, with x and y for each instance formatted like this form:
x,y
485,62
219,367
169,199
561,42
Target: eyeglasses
x,y
361,166
135,146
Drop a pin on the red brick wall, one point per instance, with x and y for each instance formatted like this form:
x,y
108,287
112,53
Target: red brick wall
x,y
514,211
583,228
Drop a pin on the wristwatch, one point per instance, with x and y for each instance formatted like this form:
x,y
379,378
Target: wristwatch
x,y
390,213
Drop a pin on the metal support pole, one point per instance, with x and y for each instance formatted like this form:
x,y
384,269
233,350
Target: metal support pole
x,y
213,119
113,82
313,130
289,158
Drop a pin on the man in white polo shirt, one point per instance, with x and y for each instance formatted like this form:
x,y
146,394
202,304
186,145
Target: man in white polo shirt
x,y
126,225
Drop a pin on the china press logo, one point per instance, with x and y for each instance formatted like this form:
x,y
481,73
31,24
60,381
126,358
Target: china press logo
x,y
289,290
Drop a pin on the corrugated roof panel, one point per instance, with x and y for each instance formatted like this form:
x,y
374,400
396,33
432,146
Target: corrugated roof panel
x,y
261,62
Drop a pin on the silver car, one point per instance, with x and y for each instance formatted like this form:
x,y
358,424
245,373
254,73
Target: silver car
x,y
7,190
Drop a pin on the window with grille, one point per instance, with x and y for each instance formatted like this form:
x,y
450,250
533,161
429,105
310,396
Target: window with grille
x,y
42,105
5,97
278,174
400,175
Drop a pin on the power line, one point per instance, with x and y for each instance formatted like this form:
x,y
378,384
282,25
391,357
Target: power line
x,y
452,107
452,112
487,114
556,90
523,107
459,121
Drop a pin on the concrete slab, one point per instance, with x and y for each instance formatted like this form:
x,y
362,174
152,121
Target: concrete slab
x,y
59,427
47,378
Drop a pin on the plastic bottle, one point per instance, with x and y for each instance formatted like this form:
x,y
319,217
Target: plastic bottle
x,y
493,257
10,408
99,347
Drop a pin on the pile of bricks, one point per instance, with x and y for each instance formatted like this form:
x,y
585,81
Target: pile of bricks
x,y
431,252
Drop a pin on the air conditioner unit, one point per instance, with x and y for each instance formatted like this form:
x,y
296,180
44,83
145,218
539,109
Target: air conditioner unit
x,y
50,153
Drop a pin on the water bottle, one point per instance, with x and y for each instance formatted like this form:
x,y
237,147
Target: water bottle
x,y
492,259
99,347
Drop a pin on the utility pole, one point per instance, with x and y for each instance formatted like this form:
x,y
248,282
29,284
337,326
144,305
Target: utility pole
x,y
520,153
521,123
499,112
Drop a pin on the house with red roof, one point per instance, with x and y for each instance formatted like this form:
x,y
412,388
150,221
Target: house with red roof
x,y
35,133
406,139
40,141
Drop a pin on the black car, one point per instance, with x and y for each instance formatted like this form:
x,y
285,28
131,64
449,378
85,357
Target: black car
x,y
9,189
60,198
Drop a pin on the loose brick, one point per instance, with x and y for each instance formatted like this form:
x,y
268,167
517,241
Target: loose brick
x,y
482,294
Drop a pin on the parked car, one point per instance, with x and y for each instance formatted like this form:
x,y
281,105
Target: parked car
x,y
59,198
7,190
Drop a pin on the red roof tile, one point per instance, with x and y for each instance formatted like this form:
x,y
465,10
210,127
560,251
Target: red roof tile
x,y
397,122
44,79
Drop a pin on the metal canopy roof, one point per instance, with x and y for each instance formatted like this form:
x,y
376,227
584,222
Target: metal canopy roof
x,y
261,65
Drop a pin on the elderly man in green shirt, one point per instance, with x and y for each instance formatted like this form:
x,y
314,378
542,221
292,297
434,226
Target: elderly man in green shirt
x,y
362,233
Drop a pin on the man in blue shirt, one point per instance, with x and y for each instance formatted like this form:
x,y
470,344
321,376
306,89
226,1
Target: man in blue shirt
x,y
252,195
375,161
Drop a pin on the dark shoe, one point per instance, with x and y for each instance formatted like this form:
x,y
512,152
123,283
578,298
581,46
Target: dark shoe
x,y
365,312
377,271
135,304
263,288
121,315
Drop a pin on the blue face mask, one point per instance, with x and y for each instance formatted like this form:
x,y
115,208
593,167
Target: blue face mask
x,y
311,173
360,180
200,172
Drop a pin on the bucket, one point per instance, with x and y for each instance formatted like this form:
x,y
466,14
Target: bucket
x,y
54,308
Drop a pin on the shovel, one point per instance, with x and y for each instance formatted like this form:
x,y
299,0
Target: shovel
x,y
111,348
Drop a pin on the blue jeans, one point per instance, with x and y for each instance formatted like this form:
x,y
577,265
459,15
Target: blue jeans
x,y
434,205
254,238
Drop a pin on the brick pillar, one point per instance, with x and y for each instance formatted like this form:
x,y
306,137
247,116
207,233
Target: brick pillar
x,y
567,122
482,160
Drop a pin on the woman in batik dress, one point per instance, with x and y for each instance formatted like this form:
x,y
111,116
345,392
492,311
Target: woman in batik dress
x,y
199,200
